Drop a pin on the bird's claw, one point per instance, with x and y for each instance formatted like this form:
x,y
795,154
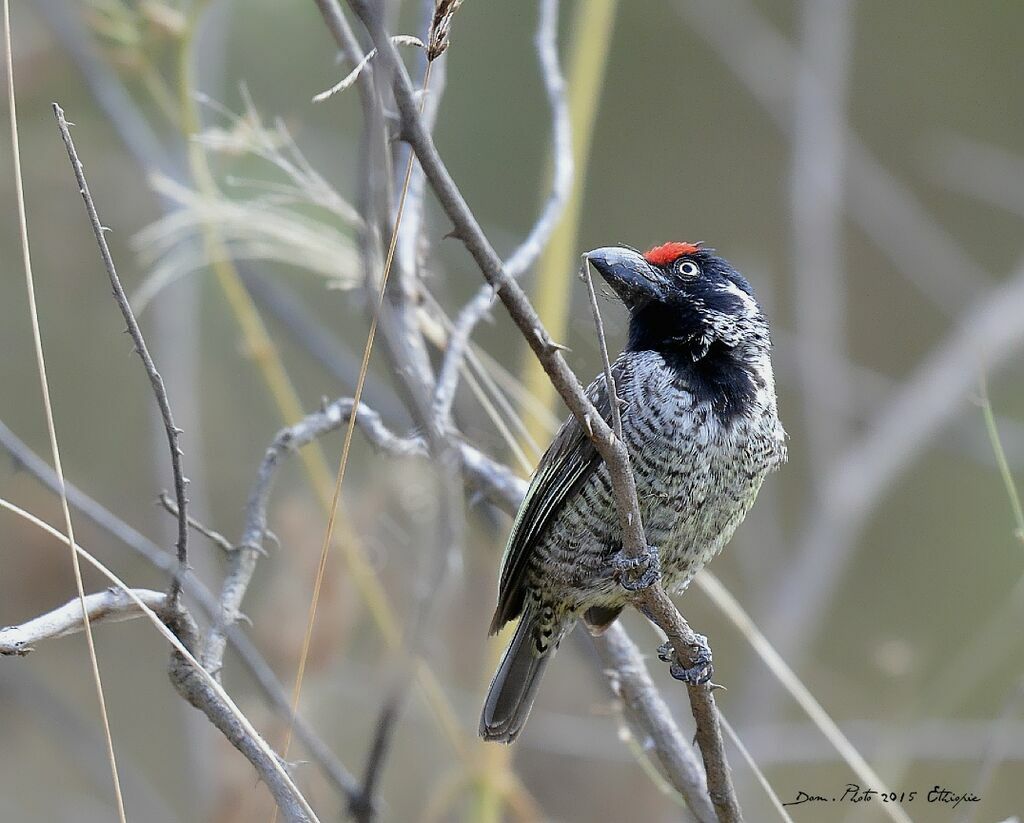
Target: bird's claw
x,y
645,565
695,675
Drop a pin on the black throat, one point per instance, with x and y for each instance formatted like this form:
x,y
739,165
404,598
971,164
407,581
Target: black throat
x,y
714,373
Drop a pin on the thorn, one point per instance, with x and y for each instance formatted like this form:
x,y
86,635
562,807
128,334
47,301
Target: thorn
x,y
716,687
243,618
588,425
557,346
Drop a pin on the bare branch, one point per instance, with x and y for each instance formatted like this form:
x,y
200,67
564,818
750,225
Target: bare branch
x,y
292,438
173,441
250,656
652,601
613,395
110,606
363,807
529,250
215,537
141,142
197,685
349,80
648,713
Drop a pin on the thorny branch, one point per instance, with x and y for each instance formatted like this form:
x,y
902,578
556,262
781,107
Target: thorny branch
x,y
250,547
651,601
157,382
215,537
196,685
191,683
249,655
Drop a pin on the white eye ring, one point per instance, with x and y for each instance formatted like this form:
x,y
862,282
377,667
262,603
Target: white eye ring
x,y
688,268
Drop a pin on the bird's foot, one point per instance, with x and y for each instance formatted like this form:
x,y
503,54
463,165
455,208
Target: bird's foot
x,y
695,675
637,573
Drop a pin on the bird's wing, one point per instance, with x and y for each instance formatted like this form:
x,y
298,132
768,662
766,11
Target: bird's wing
x,y
567,464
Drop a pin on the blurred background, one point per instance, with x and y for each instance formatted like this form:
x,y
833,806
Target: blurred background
x,y
861,162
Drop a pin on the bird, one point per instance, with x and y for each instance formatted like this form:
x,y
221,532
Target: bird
x,y
700,423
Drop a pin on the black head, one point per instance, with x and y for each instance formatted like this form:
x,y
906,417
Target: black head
x,y
683,299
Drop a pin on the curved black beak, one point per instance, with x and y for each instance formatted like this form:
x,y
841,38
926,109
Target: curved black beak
x,y
634,280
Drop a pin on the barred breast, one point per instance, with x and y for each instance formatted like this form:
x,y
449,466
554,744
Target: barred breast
x,y
697,473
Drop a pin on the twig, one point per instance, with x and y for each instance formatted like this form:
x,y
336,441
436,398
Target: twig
x,y
411,240
648,713
248,653
149,153
436,45
768,790
349,79
363,807
111,606
173,441
243,560
609,381
785,675
198,686
1000,454
526,254
653,601
215,537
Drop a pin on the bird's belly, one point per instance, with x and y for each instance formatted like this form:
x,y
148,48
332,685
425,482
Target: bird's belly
x,y
696,479
693,499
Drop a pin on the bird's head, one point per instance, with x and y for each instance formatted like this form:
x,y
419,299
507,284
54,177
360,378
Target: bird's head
x,y
684,299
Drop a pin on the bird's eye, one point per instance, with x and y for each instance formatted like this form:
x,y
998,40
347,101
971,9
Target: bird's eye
x,y
687,268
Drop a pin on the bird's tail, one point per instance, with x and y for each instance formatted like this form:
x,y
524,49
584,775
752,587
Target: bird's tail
x,y
514,686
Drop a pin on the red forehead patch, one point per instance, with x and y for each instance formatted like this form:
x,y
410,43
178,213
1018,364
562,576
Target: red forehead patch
x,y
667,253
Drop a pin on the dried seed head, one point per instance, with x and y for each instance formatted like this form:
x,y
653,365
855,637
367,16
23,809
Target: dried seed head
x,y
440,27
